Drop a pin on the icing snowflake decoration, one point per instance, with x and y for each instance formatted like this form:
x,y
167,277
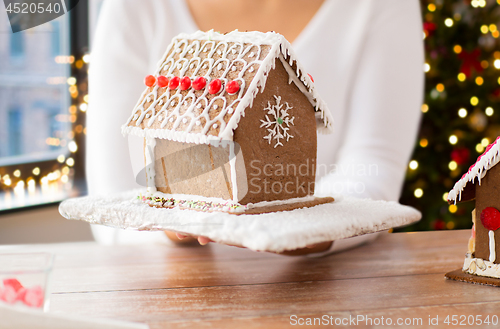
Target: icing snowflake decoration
x,y
276,124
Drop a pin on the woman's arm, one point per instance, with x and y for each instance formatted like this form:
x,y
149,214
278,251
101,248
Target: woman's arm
x,y
118,66
384,111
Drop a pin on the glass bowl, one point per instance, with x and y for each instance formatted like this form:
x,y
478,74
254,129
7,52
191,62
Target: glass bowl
x,y
24,279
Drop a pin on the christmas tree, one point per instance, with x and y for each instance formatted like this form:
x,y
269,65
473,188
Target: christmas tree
x,y
461,109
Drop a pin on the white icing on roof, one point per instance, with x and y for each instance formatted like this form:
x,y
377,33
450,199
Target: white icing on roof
x,y
478,170
199,117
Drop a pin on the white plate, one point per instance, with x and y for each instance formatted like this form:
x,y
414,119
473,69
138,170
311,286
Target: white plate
x,y
346,217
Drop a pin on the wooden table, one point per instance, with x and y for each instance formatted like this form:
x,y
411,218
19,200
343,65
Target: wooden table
x,y
399,276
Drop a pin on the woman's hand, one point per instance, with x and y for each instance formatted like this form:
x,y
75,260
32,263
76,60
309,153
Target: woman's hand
x,y
203,240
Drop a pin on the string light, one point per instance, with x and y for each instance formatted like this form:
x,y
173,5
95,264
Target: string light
x,y
425,108
427,67
61,158
31,185
479,148
452,165
457,49
445,196
489,111
53,141
479,81
36,171
424,142
72,147
448,22
485,64
431,7
474,100
461,77
453,208
65,170
79,64
64,59
462,113
453,139
17,173
71,81
493,27
418,193
478,3
496,63
484,29
86,58
19,189
450,225
70,162
485,142
413,164
440,87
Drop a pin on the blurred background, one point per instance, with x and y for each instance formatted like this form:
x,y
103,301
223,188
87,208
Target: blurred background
x,y
43,101
461,113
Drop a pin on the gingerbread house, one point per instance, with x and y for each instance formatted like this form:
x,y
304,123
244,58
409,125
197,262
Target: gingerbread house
x,y
229,117
482,184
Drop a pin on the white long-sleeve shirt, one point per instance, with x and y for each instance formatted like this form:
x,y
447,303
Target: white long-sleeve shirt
x,y
366,57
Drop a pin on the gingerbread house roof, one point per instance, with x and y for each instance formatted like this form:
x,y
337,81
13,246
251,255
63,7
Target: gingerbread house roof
x,y
196,115
464,188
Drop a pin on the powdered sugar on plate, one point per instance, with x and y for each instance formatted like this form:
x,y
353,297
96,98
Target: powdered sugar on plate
x,y
346,217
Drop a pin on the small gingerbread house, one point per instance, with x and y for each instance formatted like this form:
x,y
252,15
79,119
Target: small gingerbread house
x,y
482,184
229,116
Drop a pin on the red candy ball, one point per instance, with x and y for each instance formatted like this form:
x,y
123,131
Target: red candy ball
x,y
199,83
174,82
460,155
310,76
149,80
185,83
490,217
232,87
162,81
214,86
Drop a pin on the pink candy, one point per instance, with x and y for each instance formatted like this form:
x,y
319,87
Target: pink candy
x,y
14,283
34,297
9,295
13,292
